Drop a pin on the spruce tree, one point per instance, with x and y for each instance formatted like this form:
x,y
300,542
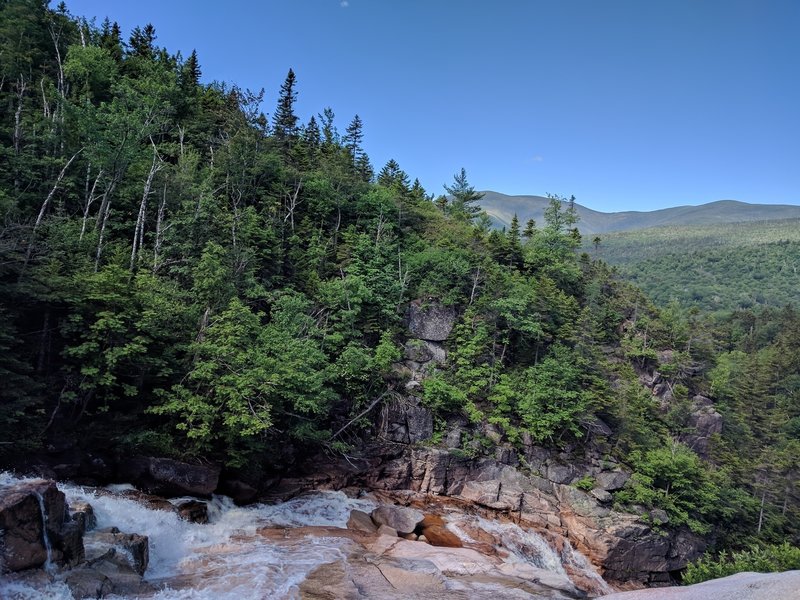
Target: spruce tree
x,y
285,121
464,197
141,41
191,73
514,243
393,177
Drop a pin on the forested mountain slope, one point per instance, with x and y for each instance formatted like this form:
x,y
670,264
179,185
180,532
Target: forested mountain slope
x,y
714,267
182,275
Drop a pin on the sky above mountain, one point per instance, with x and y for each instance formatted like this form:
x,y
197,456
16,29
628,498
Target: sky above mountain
x,y
628,105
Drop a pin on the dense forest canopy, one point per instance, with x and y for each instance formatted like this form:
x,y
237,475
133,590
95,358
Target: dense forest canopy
x,y
185,275
717,268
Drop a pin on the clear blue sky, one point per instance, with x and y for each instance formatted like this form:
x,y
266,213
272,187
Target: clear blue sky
x,y
627,104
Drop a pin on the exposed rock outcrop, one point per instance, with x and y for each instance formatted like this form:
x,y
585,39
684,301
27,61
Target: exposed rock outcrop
x,y
33,516
194,511
167,477
623,545
704,422
430,320
405,421
135,548
742,586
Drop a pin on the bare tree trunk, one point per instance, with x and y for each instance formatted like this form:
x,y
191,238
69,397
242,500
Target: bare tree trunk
x,y
402,277
56,37
159,229
291,203
17,138
45,103
379,232
46,203
181,134
474,286
104,220
761,512
138,232
90,198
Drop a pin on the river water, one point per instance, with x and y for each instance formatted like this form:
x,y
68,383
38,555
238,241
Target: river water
x,y
226,559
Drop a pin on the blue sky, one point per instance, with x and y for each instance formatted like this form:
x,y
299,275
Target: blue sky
x,y
627,104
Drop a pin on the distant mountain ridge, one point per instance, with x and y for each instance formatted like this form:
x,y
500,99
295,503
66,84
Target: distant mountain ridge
x,y
501,208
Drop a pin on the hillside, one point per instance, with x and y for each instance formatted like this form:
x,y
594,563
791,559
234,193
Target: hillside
x,y
501,208
714,267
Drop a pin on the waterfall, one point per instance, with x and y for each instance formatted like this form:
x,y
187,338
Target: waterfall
x,y
49,566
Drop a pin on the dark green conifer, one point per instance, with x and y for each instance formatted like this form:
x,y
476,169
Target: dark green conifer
x,y
284,124
463,203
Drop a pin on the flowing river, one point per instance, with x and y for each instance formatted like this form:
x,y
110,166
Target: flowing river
x,y
230,557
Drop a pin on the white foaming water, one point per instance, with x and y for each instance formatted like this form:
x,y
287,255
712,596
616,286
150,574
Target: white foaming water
x,y
525,546
529,547
224,559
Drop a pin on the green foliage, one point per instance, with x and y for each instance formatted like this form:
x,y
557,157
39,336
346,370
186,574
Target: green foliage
x,y
439,395
714,267
549,398
674,479
585,483
759,559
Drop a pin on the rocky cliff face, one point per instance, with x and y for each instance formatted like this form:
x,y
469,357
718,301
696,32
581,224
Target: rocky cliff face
x,y
622,545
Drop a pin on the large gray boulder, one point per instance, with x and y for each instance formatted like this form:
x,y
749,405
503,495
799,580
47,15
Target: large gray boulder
x,y
135,548
401,519
29,511
168,477
430,320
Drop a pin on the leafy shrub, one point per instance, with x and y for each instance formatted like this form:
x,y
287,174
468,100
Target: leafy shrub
x,y
763,559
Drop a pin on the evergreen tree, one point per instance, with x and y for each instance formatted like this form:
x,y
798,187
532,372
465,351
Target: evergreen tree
x,y
190,73
352,141
141,41
514,243
311,134
393,177
464,198
284,123
111,39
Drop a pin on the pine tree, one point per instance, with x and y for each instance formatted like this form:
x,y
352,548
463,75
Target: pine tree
x,y
111,39
417,193
141,41
190,74
514,243
311,133
393,177
530,229
353,137
464,197
285,121
330,137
